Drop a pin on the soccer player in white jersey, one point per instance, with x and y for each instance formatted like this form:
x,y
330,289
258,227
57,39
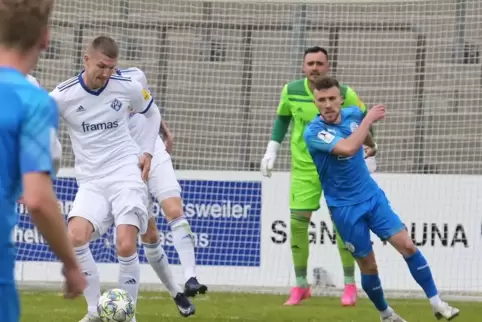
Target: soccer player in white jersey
x,y
95,107
163,185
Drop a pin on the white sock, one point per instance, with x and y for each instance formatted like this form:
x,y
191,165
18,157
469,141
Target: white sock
x,y
435,300
387,313
129,274
184,244
89,268
157,258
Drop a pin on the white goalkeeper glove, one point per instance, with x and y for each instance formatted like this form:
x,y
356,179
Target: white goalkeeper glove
x,y
267,163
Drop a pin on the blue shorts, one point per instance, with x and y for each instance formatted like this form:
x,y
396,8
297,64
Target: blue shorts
x,y
355,222
9,305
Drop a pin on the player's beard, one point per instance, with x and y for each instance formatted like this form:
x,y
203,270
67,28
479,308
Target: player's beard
x,y
331,117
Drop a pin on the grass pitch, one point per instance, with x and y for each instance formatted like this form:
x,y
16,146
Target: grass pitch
x,y
158,307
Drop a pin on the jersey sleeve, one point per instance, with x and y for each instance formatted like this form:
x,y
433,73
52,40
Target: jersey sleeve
x,y
58,99
284,108
38,136
352,99
140,97
320,139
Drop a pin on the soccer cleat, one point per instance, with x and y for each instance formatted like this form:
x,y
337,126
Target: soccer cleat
x,y
298,294
185,307
89,317
393,318
193,287
445,311
349,295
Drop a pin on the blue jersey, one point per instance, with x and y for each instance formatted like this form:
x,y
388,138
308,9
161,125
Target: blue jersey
x,y
28,122
345,180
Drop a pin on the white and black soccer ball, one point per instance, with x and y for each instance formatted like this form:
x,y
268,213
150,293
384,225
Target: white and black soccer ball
x,y
116,305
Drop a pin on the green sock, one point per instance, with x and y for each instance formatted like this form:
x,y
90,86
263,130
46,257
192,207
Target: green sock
x,y
300,247
347,261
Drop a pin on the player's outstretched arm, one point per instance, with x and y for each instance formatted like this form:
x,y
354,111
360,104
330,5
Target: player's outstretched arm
x,y
37,148
322,140
349,146
278,133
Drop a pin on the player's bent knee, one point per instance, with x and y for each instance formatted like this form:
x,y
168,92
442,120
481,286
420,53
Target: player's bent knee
x,y
126,241
80,231
172,208
368,264
152,234
403,243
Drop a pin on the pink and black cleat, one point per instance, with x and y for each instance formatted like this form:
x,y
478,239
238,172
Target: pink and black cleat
x,y
349,295
298,294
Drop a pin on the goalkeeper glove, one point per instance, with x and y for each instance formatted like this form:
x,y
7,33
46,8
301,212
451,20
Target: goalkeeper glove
x,y
269,158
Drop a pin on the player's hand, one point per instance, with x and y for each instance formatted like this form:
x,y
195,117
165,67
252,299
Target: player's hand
x,y
75,282
376,113
369,151
267,164
145,165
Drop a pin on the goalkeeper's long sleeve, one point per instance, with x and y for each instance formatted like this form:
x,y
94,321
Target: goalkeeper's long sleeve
x,y
280,128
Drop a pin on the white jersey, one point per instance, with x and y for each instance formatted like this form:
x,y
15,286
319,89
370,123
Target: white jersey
x,y
97,123
137,123
33,80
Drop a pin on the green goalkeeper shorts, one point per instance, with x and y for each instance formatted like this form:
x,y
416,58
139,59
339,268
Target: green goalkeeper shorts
x,y
305,191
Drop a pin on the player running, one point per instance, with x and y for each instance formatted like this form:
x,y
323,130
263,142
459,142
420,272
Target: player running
x,y
357,204
164,186
95,107
28,124
297,105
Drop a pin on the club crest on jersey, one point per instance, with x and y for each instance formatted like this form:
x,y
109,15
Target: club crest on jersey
x,y
353,126
116,105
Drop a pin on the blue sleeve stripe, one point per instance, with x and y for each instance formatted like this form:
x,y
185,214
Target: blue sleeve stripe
x,y
68,82
68,86
148,106
120,78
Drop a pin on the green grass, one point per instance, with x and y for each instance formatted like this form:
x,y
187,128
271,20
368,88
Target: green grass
x,y
158,307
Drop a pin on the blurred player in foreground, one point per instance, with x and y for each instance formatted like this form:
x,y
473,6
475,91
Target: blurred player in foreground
x,y
297,105
28,145
95,107
164,186
357,204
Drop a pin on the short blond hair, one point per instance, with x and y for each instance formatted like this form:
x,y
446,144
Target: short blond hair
x,y
22,22
105,45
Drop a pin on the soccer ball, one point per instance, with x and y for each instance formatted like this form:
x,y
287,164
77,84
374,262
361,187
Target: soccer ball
x,y
116,305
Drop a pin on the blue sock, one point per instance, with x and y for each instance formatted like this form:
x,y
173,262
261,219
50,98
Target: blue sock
x,y
421,273
373,287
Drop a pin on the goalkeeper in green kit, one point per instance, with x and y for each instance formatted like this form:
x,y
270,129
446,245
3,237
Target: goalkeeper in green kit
x,y
297,106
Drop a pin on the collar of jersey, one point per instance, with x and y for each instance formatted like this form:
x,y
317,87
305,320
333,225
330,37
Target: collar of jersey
x,y
88,90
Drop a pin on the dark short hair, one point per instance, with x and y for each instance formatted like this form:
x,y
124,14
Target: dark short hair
x,y
106,45
314,50
326,82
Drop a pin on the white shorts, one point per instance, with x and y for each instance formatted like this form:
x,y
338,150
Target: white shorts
x,y
162,181
120,199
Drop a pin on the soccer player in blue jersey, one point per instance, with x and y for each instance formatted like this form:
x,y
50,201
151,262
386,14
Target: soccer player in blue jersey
x,y
28,120
357,204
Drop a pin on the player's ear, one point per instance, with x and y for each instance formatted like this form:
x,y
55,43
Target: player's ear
x,y
45,39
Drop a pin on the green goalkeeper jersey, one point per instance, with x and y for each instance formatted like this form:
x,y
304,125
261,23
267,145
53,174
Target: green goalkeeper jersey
x,y
297,105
